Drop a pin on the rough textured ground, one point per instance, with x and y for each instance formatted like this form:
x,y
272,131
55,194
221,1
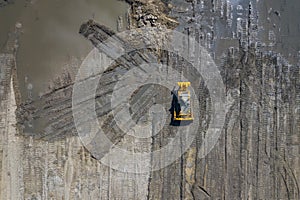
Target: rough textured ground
x,y
257,155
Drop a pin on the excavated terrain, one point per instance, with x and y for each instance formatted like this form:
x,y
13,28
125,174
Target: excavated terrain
x,y
257,154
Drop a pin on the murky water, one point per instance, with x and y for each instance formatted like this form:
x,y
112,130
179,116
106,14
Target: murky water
x,y
8,17
50,36
282,18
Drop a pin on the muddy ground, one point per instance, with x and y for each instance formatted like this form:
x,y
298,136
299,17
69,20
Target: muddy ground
x,y
257,154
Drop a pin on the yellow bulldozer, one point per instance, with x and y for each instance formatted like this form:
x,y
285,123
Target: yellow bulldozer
x,y
183,107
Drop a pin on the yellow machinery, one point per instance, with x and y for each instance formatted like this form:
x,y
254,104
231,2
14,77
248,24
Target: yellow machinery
x,y
183,109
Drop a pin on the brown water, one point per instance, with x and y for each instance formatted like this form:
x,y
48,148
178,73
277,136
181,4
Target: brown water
x,y
50,36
